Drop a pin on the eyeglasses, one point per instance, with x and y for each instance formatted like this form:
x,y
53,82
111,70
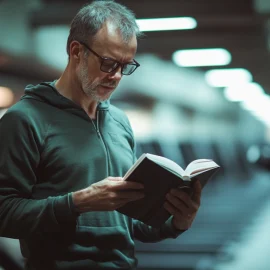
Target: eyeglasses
x,y
109,65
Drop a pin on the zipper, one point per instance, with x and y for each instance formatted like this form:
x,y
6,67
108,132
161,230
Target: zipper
x,y
104,144
96,126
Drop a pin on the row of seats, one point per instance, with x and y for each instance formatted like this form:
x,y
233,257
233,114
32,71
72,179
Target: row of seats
x,y
229,202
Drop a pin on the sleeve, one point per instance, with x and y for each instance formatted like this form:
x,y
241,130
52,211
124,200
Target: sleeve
x,y
20,215
148,234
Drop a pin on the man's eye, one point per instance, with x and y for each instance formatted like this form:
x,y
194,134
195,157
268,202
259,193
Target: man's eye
x,y
110,63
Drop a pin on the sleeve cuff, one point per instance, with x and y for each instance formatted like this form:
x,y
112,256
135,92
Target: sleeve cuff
x,y
171,230
64,209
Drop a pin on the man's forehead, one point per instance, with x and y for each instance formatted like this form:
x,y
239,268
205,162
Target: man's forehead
x,y
110,33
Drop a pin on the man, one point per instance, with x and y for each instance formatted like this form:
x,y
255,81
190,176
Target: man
x,y
58,143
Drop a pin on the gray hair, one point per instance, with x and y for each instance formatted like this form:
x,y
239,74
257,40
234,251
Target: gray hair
x,y
90,19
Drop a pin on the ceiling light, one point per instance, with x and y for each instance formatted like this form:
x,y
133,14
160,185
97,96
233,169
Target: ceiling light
x,y
248,92
227,77
163,24
202,57
260,103
259,107
6,97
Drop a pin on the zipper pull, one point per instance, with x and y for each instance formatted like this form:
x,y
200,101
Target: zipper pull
x,y
97,127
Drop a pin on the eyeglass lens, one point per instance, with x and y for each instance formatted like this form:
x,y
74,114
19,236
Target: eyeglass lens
x,y
110,65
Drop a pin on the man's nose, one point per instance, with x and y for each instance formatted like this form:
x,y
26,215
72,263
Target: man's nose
x,y
116,74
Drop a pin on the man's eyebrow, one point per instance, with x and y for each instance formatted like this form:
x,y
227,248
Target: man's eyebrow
x,y
126,62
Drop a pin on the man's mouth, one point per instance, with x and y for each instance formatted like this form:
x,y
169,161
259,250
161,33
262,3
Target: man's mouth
x,y
108,86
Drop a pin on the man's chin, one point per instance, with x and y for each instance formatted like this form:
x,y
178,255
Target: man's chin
x,y
104,97
101,98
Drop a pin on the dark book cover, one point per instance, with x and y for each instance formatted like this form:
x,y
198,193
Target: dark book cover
x,y
157,181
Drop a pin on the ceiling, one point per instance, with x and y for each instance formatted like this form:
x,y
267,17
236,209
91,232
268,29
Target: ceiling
x,y
221,23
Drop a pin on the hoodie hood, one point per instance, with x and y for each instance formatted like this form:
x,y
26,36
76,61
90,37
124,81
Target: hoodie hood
x,y
47,93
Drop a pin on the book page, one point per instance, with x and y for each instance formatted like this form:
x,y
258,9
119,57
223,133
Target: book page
x,y
199,165
167,163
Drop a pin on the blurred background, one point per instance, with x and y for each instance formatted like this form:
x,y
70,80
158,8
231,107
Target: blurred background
x,y
202,91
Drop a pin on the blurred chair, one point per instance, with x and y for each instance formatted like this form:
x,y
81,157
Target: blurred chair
x,y
145,147
187,151
163,148
230,161
209,150
259,154
170,150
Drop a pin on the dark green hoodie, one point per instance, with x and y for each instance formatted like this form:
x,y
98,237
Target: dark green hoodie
x,y
50,148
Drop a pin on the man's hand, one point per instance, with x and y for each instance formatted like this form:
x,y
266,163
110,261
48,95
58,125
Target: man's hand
x,y
183,207
107,195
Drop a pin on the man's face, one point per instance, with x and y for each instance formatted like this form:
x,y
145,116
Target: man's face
x,y
96,84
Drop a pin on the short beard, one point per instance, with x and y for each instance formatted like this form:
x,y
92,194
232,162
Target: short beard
x,y
88,87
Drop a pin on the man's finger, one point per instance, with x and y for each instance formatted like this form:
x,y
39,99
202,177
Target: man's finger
x,y
128,185
197,191
116,179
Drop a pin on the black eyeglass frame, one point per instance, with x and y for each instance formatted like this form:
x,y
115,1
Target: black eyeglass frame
x,y
103,59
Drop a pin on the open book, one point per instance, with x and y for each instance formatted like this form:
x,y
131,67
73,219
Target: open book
x,y
159,175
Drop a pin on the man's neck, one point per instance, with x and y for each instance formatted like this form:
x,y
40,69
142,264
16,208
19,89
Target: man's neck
x,y
68,88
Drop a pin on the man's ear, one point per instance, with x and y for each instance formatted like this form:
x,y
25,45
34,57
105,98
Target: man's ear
x,y
75,50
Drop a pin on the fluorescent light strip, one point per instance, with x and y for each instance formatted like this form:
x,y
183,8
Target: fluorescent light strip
x,y
165,24
248,92
6,97
252,98
202,57
260,103
259,107
227,77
